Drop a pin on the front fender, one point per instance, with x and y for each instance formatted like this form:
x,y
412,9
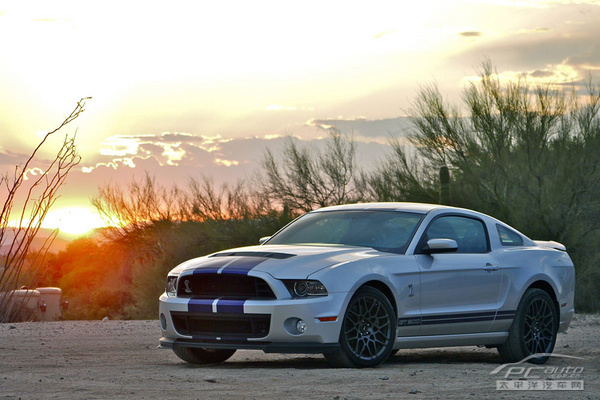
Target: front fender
x,y
400,274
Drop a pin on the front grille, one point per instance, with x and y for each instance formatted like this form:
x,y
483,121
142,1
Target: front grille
x,y
232,286
231,326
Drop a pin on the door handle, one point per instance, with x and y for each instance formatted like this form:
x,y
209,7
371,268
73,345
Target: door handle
x,y
490,267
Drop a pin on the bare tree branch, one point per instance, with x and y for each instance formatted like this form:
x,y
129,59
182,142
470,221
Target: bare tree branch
x,y
21,261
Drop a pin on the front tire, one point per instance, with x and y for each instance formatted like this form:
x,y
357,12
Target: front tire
x,y
202,356
533,330
368,331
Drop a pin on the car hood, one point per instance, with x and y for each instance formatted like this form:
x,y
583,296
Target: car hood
x,y
279,261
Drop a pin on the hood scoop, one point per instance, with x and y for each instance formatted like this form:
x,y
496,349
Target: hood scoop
x,y
261,254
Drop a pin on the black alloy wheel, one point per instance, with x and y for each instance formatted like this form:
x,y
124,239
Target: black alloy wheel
x,y
533,330
368,330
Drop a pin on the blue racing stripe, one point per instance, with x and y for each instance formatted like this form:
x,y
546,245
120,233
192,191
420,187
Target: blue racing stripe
x,y
222,306
200,305
243,265
210,267
230,306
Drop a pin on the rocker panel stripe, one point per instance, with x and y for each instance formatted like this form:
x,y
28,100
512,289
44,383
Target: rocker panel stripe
x,y
456,318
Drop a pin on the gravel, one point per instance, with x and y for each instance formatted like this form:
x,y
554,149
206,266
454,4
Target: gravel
x,y
121,360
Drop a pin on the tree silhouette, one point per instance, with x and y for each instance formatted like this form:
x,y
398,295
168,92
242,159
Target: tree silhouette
x,y
34,198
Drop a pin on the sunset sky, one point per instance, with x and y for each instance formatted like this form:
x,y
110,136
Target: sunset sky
x,y
184,88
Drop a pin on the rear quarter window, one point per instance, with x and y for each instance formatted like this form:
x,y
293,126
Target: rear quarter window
x,y
508,237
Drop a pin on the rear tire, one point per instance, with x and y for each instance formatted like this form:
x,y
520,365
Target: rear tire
x,y
368,331
195,355
533,330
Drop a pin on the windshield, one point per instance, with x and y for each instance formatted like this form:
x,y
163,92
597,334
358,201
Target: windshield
x,y
381,230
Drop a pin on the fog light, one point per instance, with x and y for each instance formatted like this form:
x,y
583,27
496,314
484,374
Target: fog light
x,y
163,322
301,326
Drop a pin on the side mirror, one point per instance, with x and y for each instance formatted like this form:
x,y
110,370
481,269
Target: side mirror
x,y
435,246
263,239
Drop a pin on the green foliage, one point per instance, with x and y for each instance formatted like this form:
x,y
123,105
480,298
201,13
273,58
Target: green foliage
x,y
525,155
92,277
444,185
402,176
302,178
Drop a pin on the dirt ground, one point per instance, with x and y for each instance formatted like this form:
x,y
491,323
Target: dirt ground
x,y
121,360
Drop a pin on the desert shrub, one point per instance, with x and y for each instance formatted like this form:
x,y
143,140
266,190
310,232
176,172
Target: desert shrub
x,y
527,155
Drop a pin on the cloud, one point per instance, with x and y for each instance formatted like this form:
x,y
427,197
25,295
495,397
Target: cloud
x,y
541,74
182,137
196,156
366,128
234,158
10,158
277,107
558,52
217,155
33,173
227,163
113,164
587,58
470,34
230,161
119,145
167,148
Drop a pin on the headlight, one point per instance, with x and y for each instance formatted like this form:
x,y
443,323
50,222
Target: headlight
x,y
304,288
171,288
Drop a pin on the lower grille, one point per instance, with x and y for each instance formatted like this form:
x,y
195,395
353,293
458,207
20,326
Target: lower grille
x,y
228,326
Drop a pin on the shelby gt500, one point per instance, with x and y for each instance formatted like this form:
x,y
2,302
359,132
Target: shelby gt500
x,y
358,282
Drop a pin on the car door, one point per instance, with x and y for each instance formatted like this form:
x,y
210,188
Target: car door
x,y
459,290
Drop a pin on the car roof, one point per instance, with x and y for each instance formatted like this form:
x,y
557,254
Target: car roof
x,y
421,208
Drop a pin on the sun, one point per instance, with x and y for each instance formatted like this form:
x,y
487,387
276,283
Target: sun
x,y
73,220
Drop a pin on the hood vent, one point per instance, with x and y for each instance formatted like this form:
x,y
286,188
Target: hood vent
x,y
262,254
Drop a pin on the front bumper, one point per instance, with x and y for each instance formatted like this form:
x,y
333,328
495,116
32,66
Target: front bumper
x,y
281,336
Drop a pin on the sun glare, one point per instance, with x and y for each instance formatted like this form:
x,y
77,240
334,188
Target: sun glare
x,y
73,220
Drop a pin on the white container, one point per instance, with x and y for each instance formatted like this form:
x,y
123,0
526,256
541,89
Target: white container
x,y
28,298
50,296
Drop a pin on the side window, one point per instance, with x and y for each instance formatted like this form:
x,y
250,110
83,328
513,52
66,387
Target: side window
x,y
509,237
469,233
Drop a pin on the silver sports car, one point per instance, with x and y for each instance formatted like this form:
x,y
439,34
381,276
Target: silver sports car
x,y
358,282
